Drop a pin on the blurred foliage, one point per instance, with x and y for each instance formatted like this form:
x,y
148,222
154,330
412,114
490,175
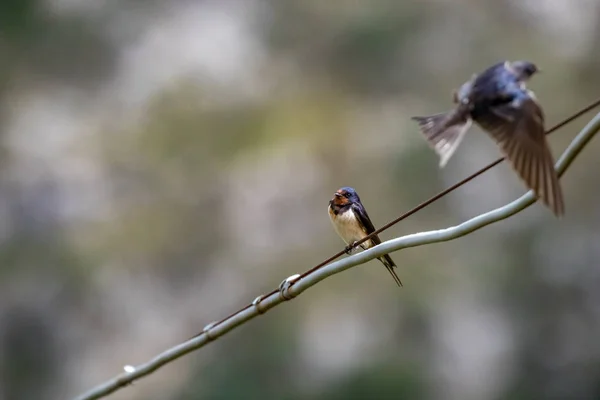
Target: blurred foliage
x,y
165,162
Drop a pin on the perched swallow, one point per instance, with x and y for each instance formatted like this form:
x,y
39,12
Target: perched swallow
x,y
499,102
352,223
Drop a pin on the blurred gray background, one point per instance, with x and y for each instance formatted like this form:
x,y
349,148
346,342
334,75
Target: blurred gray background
x,y
163,163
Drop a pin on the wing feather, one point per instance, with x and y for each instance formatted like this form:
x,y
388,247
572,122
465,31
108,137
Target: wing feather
x,y
518,128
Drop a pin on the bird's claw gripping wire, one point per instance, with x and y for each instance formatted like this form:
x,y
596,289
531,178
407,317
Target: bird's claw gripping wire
x,y
348,250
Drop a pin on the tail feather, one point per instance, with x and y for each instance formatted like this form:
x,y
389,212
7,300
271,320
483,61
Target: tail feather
x,y
444,132
390,265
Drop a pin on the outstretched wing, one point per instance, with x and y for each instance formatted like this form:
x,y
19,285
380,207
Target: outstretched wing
x,y
518,128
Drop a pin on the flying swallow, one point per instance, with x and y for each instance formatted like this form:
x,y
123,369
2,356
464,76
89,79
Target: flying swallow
x,y
352,223
499,102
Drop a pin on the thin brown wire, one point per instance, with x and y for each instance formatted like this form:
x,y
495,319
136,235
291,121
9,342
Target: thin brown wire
x,y
426,203
450,189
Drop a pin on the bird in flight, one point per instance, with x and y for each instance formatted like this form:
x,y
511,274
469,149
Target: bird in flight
x,y
499,102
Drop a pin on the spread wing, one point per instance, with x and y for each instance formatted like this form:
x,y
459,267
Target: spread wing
x,y
518,128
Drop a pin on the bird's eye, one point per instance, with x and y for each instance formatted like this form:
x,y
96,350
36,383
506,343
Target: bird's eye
x,y
530,69
347,195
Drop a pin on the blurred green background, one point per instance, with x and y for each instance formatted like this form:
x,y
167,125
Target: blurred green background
x,y
163,163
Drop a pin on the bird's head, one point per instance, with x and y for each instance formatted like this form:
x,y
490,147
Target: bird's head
x,y
524,69
344,196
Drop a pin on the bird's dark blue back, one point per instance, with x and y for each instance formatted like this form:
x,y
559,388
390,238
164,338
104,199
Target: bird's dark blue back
x,y
493,82
495,86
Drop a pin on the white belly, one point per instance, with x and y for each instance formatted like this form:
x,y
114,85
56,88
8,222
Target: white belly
x,y
347,227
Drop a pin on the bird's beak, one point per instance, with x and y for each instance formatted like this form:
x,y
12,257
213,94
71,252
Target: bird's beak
x,y
338,194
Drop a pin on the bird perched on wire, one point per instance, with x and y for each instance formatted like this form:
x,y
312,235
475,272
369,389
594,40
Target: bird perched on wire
x,y
352,223
499,102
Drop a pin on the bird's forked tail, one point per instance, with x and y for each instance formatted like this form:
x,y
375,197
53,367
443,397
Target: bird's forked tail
x,y
444,132
390,265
